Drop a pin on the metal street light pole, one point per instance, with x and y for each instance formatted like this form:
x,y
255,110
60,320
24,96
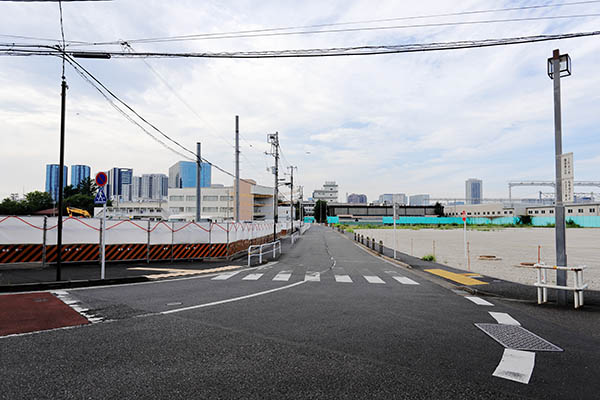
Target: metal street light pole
x,y
61,177
554,70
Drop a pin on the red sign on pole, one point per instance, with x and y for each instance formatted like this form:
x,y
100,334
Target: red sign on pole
x,y
101,179
463,215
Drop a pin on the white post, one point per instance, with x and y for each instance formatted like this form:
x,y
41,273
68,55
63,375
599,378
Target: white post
x,y
465,238
395,237
103,266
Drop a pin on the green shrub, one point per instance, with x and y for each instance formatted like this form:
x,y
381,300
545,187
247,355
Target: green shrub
x,y
428,257
572,224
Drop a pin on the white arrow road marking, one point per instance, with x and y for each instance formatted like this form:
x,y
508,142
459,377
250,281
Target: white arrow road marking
x,y
504,318
516,365
405,281
479,301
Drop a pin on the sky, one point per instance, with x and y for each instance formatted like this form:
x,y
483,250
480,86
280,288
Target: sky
x,y
401,123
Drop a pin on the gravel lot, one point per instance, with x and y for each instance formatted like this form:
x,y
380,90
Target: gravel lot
x,y
512,245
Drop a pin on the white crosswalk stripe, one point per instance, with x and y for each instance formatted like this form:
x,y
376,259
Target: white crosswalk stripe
x,y
252,277
312,276
343,278
405,281
373,279
283,276
226,275
479,301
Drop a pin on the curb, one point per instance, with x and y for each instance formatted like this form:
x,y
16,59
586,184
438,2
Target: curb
x,y
37,286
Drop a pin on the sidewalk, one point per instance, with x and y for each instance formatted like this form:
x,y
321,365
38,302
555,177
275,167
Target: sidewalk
x,y
489,286
29,278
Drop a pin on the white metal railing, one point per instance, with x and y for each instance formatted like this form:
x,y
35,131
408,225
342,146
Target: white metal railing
x,y
295,236
543,285
257,250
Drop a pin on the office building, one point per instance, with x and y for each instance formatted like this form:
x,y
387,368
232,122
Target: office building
x,y
328,193
154,187
355,198
79,173
391,198
183,175
419,200
136,188
120,182
52,177
218,202
473,191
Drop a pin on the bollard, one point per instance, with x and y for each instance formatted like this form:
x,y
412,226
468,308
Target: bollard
x,y
362,239
381,247
373,244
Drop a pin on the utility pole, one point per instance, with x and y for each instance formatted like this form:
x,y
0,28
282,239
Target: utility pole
x,y
273,138
559,213
198,180
291,168
61,176
237,168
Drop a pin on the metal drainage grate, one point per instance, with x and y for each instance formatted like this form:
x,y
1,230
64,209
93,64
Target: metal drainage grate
x,y
517,337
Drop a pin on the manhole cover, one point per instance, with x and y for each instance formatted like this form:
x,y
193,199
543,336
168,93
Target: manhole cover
x,y
517,337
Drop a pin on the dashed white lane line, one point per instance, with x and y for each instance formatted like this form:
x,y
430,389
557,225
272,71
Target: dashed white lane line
x,y
214,303
405,281
516,365
283,276
479,301
373,279
252,277
226,275
312,277
504,318
343,278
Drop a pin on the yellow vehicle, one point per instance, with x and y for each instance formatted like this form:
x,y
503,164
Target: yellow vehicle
x,y
79,211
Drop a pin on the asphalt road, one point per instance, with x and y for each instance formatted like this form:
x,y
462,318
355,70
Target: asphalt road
x,y
354,336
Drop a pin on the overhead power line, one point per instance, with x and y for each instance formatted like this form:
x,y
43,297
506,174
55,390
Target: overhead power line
x,y
27,50
107,94
361,29
240,33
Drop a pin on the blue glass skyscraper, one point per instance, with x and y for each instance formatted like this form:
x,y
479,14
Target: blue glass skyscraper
x,y
183,175
52,179
79,173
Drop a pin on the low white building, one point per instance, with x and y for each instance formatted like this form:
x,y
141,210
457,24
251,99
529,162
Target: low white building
x,y
152,210
218,202
328,193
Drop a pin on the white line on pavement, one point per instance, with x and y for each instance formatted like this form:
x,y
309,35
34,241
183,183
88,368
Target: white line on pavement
x,y
516,365
479,301
373,279
312,277
504,318
224,276
283,276
405,281
343,278
214,303
252,277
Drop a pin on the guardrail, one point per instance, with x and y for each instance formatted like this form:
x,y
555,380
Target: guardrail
x,y
543,285
252,251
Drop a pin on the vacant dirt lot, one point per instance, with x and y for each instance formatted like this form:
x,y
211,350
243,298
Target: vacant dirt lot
x,y
512,245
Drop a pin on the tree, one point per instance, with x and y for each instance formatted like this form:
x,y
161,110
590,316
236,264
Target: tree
x,y
321,211
439,209
12,207
83,201
87,187
37,201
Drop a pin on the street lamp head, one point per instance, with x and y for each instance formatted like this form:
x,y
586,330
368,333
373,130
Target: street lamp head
x,y
564,62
